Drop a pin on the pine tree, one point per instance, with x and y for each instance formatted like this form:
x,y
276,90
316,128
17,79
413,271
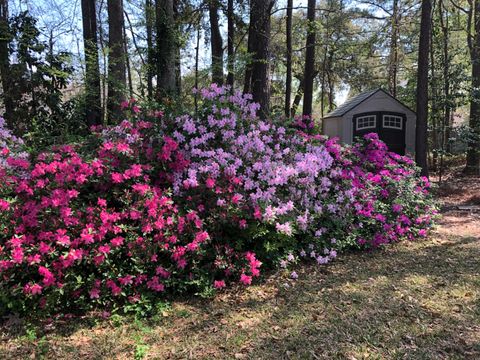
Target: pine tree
x,y
166,53
257,74
92,70
421,135
216,43
309,60
116,57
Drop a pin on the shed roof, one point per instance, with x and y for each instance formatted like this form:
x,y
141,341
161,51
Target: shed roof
x,y
357,100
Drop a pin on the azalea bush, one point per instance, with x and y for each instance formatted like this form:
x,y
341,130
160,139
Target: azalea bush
x,y
163,204
102,228
394,202
281,190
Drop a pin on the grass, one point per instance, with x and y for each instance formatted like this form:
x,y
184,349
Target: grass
x,y
415,300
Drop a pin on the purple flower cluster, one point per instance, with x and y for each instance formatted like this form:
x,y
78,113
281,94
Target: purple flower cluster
x,y
284,176
304,187
12,153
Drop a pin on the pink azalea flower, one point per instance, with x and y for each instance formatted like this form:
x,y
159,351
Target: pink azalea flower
x,y
210,183
245,279
44,248
124,105
117,178
94,293
219,284
35,289
104,249
118,241
162,272
17,255
201,236
397,208
126,280
4,205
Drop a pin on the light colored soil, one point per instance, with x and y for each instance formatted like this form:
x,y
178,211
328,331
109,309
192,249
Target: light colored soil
x,y
457,189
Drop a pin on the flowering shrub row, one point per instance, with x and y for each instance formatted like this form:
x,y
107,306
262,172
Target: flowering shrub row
x,y
191,203
292,189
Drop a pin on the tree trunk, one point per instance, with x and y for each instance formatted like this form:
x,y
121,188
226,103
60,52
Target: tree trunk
x,y
216,43
116,58
230,45
150,21
178,72
127,63
473,153
103,43
298,97
393,56
247,83
197,55
259,47
435,109
166,49
288,84
92,70
330,80
446,75
309,60
323,82
5,64
421,136
178,64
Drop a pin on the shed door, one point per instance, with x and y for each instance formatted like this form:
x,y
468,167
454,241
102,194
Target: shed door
x,y
389,126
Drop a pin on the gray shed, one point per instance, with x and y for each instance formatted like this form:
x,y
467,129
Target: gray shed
x,y
374,111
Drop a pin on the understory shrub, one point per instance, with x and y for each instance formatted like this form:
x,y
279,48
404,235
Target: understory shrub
x,y
190,204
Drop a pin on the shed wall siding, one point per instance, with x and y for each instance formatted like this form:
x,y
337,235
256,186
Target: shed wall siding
x,y
333,127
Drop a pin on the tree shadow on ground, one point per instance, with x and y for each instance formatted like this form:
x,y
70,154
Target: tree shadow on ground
x,y
414,301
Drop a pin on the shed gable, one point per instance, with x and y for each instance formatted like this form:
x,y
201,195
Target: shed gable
x,y
379,101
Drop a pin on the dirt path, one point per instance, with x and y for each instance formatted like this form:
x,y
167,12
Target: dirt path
x,y
415,300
